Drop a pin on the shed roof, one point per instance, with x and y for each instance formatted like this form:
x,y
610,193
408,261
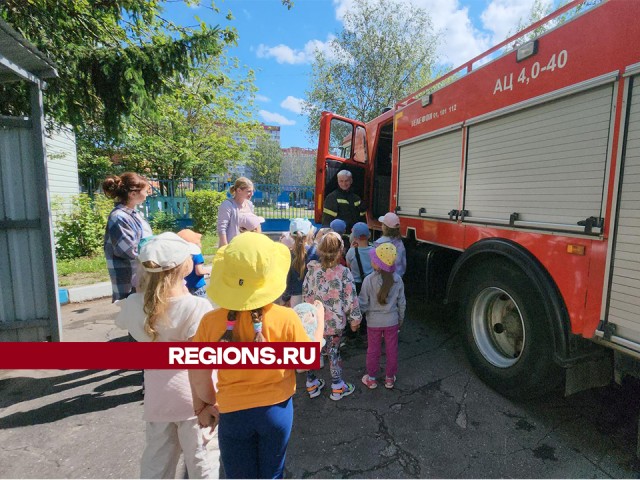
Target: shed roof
x,y
20,59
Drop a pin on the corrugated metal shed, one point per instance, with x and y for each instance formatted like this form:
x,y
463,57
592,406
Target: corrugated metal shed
x,y
29,309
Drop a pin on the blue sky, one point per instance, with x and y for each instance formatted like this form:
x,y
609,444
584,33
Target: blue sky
x,y
278,44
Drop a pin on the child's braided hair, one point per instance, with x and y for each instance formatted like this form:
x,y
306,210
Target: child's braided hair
x,y
256,318
231,322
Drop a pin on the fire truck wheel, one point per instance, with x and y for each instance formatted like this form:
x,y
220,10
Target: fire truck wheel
x,y
508,340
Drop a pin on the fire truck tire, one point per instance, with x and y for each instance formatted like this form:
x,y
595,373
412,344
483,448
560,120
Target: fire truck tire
x,y
508,339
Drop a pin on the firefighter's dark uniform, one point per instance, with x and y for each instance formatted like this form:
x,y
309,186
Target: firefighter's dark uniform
x,y
346,206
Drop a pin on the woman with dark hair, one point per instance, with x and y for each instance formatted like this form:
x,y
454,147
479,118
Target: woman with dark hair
x,y
125,228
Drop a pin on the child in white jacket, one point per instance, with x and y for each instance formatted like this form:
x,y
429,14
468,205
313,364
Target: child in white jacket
x,y
165,311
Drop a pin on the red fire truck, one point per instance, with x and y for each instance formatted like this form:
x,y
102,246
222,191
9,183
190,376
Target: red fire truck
x,y
516,178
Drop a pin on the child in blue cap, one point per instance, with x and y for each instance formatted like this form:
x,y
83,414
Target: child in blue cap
x,y
359,261
340,227
357,257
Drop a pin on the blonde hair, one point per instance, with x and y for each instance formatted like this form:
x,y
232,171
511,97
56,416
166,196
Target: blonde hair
x,y
321,233
330,250
299,263
299,253
390,232
240,183
156,293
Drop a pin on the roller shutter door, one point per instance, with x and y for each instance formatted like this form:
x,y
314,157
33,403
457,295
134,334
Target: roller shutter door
x,y
429,175
546,163
624,303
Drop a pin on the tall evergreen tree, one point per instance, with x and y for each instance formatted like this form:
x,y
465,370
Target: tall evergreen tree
x,y
113,56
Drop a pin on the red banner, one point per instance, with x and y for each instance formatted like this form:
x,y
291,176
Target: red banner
x,y
161,355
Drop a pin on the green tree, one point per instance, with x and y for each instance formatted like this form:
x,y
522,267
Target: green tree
x,y
385,51
95,157
80,232
538,11
196,128
203,206
113,56
265,161
298,166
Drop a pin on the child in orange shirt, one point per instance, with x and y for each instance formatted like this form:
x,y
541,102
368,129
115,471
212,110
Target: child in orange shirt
x,y
254,407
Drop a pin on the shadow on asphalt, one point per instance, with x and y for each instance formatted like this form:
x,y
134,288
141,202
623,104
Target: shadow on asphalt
x,y
124,338
18,389
439,401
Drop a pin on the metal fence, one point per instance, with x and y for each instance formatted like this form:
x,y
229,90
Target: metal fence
x,y
271,201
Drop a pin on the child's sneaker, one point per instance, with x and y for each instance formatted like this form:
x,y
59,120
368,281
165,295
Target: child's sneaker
x,y
338,392
389,382
370,382
314,388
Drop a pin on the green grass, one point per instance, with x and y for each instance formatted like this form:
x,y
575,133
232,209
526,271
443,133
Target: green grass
x,y
209,244
82,271
88,270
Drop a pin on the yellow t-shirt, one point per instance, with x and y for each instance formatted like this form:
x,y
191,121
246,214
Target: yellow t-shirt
x,y
243,389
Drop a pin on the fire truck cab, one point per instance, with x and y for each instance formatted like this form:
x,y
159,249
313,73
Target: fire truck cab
x,y
516,178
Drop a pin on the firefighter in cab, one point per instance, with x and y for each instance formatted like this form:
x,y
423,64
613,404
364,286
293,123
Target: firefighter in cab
x,y
343,204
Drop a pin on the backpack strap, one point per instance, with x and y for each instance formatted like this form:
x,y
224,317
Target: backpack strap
x,y
362,275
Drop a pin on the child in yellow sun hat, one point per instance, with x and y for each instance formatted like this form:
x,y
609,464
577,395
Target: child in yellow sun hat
x,y
382,299
254,407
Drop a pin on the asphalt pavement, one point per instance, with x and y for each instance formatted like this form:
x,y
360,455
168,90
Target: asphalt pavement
x,y
439,422
76,423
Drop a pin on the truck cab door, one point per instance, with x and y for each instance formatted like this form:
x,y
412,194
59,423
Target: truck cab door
x,y
342,145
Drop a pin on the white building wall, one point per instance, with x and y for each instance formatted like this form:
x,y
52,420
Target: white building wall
x,y
62,169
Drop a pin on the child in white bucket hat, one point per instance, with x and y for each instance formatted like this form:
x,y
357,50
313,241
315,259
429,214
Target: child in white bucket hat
x,y
382,299
255,406
165,311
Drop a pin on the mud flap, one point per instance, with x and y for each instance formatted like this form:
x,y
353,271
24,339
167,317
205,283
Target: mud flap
x,y
597,371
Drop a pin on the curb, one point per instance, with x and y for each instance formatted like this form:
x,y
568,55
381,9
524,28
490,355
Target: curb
x,y
84,293
63,296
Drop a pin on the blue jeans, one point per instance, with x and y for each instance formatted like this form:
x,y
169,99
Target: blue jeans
x,y
199,292
253,442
